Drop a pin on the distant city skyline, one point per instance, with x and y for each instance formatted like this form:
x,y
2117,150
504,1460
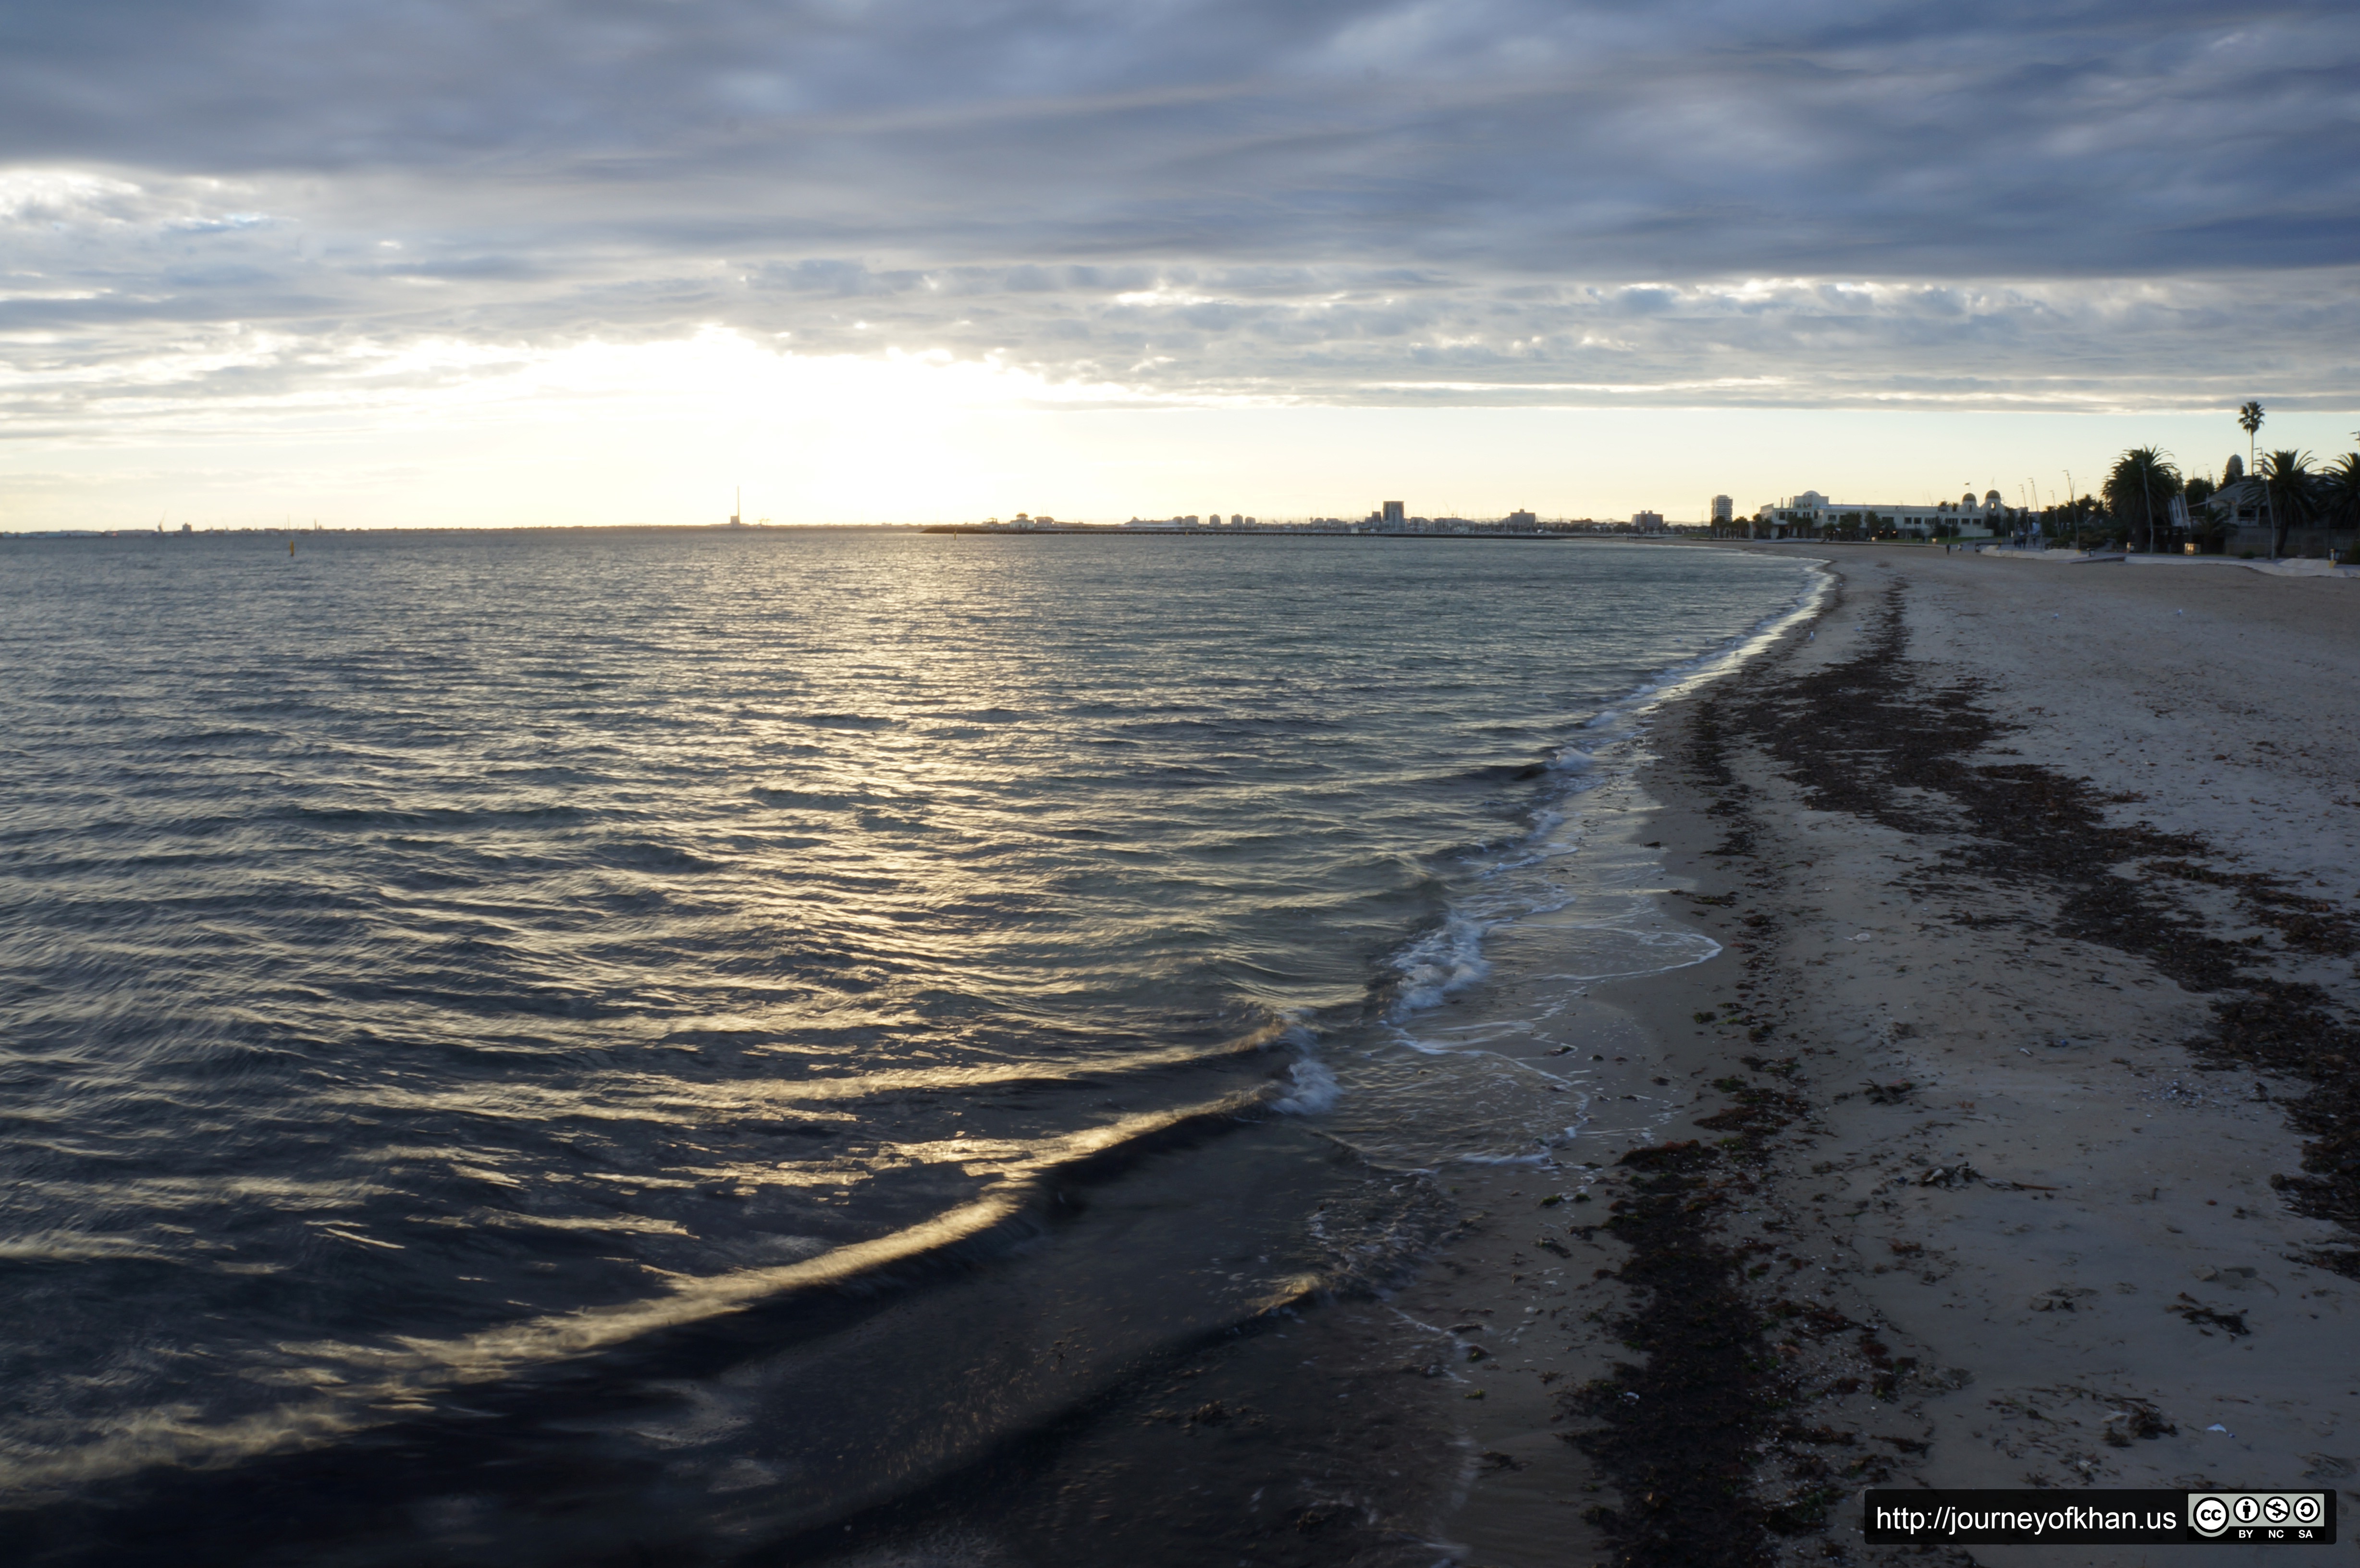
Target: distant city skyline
x,y
911,262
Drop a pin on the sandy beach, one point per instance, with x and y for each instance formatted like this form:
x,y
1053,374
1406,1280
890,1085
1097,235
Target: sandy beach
x,y
2008,1142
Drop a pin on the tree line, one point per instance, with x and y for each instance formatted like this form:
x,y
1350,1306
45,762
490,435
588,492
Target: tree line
x,y
2290,489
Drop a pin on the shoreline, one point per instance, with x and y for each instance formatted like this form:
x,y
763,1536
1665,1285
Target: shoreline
x,y
2035,982
1758,1278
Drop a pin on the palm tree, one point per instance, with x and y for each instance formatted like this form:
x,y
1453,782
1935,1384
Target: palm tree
x,y
2140,490
2340,495
2249,420
2291,487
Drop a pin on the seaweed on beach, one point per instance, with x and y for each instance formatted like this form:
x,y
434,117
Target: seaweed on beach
x,y
2304,922
1707,756
1676,1435
2285,1028
1892,740
1878,736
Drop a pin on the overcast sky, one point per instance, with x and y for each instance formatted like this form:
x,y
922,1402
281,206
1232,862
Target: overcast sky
x,y
903,259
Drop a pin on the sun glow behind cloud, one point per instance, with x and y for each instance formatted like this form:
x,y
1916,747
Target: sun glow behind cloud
x,y
449,431
432,263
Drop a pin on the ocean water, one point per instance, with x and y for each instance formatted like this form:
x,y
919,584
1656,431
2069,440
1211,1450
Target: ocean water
x,y
534,1034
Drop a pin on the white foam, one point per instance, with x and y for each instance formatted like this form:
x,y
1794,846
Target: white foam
x,y
1512,884
1316,1089
1450,957
1617,952
1447,958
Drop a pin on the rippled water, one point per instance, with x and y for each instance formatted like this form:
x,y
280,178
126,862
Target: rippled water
x,y
431,960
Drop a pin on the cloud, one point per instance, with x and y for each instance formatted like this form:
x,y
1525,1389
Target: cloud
x,y
2098,203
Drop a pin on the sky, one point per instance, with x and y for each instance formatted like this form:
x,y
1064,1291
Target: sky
x,y
477,262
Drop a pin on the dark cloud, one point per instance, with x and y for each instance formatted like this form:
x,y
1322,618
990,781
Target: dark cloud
x,y
2104,198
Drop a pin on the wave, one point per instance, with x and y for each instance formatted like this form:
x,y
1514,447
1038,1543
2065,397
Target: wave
x,y
367,1386
1314,1090
1450,956
630,1096
1510,884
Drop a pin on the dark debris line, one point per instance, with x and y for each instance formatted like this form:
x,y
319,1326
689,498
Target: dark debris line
x,y
1677,1435
1680,1436
1876,737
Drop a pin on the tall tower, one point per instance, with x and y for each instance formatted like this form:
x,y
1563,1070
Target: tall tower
x,y
1393,514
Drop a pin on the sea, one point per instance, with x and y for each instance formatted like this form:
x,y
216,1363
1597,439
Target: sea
x,y
669,1046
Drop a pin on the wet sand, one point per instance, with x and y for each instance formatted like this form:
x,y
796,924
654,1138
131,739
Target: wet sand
x,y
2011,1139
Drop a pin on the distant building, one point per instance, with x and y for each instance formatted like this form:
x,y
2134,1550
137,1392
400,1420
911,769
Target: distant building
x,y
2240,508
1520,519
1810,513
1647,522
1724,511
2240,512
1391,514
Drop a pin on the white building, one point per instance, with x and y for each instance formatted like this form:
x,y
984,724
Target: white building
x,y
1810,513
